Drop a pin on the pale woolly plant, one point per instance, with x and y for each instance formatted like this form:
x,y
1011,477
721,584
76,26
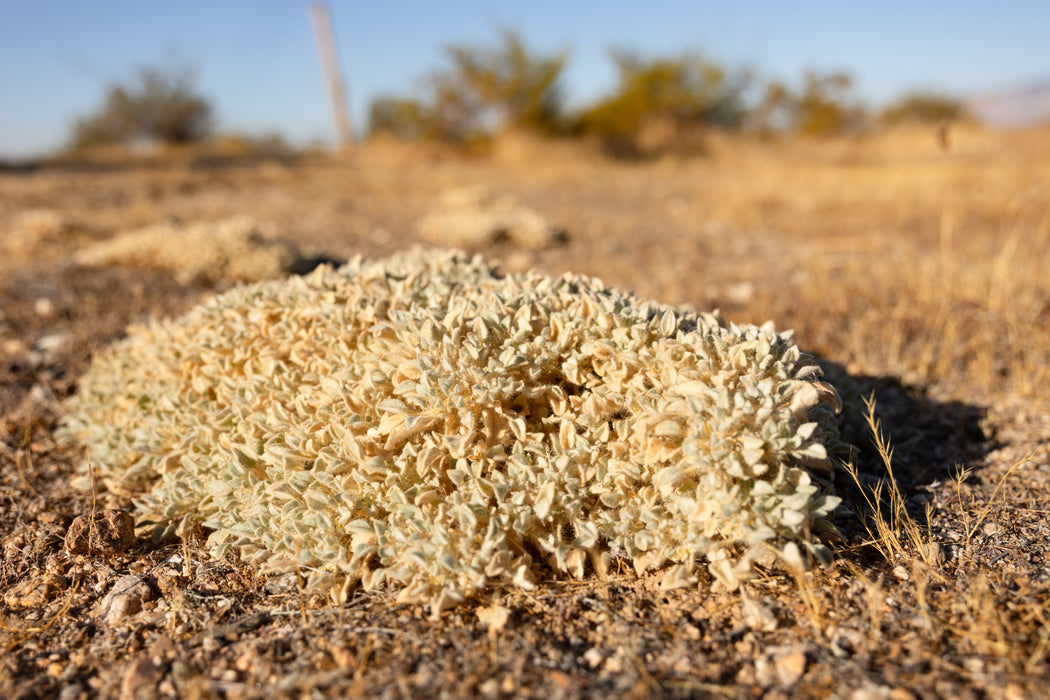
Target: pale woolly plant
x,y
235,249
425,422
472,218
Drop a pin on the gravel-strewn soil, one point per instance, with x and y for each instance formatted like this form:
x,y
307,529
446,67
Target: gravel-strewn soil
x,y
914,274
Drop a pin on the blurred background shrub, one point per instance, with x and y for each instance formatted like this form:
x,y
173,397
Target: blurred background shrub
x,y
157,105
924,107
483,90
823,106
660,104
659,101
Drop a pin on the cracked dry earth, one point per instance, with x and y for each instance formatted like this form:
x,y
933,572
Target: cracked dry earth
x,y
955,607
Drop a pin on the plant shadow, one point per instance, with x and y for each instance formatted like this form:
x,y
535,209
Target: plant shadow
x,y
932,442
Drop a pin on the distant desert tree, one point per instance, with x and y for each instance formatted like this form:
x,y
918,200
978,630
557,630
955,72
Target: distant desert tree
x,y
923,107
157,105
677,92
403,117
482,90
517,87
825,105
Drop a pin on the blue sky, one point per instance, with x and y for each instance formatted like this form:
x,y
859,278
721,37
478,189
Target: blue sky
x,y
257,63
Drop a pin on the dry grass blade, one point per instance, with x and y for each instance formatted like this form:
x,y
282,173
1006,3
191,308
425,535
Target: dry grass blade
x,y
972,524
892,529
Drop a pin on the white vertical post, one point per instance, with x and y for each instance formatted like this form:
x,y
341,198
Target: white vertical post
x,y
330,65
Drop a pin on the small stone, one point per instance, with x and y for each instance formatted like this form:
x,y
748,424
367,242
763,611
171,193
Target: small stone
x,y
746,676
765,673
13,347
494,617
244,661
740,293
50,344
489,689
43,307
1013,691
171,584
126,599
563,680
756,615
106,532
508,686
140,678
34,592
790,668
49,517
161,649
870,692
593,657
343,657
71,692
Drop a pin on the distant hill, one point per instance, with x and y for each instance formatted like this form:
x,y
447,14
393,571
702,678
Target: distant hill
x,y
1021,106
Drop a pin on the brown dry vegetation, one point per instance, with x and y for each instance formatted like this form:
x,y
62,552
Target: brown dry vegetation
x,y
918,274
